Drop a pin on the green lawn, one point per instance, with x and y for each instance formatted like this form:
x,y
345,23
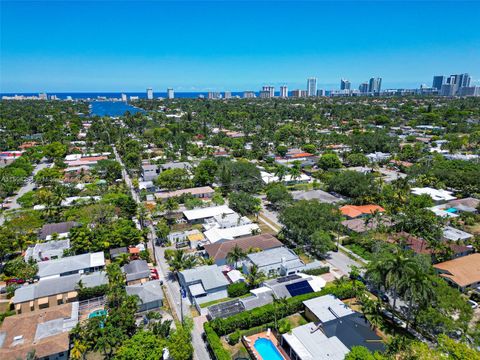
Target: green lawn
x,y
360,251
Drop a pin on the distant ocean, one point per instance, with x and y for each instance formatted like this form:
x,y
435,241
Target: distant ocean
x,y
118,95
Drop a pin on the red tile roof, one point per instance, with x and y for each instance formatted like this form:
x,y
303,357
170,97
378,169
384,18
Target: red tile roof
x,y
353,211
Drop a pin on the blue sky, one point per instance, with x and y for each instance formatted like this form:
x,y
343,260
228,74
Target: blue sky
x,y
232,45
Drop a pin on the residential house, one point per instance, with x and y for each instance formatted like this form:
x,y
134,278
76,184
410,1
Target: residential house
x,y
468,204
61,229
136,272
205,192
438,196
277,261
319,195
355,211
116,252
378,156
336,319
204,283
79,264
191,237
175,165
45,332
150,295
54,291
219,250
202,214
308,342
362,224
451,234
268,178
49,250
463,272
421,246
215,234
150,172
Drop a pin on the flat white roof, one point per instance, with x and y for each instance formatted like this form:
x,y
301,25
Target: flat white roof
x,y
214,235
327,308
453,234
204,213
310,343
268,178
436,195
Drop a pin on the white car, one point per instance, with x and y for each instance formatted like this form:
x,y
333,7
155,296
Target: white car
x,y
473,304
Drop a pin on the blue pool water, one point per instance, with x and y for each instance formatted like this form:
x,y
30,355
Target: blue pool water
x,y
97,313
451,210
267,349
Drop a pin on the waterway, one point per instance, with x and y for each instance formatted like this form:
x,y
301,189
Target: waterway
x,y
112,108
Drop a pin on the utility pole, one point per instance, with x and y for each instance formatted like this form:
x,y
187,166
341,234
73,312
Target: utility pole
x,y
181,305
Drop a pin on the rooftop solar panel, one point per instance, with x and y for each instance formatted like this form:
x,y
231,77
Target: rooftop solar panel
x,y
299,288
226,309
287,278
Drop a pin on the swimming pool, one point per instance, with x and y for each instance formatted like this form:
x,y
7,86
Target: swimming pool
x,y
451,210
96,313
267,349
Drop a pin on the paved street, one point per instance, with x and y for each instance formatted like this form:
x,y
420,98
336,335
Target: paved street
x,y
171,285
29,185
341,262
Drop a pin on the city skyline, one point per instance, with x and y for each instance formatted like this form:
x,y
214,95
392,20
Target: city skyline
x,y
215,51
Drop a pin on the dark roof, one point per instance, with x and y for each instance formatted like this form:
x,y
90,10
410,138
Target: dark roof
x,y
117,251
220,250
354,330
57,228
421,246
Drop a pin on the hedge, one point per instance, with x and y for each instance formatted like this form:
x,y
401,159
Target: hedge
x,y
215,344
266,313
318,271
237,289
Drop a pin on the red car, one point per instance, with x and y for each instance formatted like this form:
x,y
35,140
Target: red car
x,y
15,281
154,274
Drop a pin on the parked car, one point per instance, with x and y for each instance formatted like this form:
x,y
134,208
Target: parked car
x,y
473,304
396,320
14,281
154,274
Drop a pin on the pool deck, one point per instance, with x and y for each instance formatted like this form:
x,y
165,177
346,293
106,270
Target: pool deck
x,y
251,341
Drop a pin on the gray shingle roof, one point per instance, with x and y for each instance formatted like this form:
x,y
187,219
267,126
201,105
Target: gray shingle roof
x,y
59,285
71,263
272,256
136,269
57,228
147,292
210,276
47,249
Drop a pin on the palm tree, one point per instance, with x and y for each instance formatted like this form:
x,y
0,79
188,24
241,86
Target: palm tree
x,y
295,171
79,350
279,302
391,272
418,290
372,310
123,259
177,261
254,276
280,172
208,261
235,255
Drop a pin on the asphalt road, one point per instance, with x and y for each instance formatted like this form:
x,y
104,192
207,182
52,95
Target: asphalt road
x,y
172,288
29,185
